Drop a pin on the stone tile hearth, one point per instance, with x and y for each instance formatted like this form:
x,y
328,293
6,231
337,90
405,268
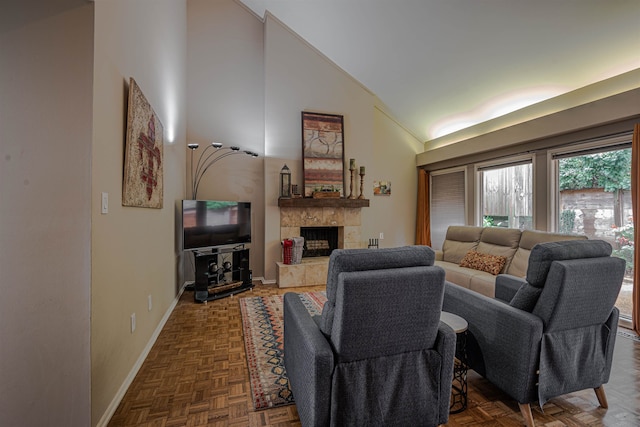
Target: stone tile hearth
x,y
313,271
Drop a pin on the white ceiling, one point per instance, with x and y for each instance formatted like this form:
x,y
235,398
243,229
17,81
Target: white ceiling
x,y
442,65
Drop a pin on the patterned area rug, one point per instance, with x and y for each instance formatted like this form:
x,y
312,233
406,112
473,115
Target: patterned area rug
x,y
263,329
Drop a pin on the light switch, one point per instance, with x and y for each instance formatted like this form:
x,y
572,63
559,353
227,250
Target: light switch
x,y
105,203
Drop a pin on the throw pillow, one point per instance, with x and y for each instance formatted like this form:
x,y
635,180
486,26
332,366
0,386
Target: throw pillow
x,y
484,262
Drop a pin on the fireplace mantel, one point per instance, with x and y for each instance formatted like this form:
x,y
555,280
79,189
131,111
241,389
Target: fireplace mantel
x,y
309,202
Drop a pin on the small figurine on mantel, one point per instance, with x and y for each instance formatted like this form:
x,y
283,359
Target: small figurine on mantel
x,y
295,192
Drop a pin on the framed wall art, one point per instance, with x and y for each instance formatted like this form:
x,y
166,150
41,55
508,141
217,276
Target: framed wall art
x,y
381,188
322,153
142,183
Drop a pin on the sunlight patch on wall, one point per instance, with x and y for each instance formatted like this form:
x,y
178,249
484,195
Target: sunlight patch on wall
x,y
496,107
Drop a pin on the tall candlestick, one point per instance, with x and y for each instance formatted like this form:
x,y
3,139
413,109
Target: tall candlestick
x,y
352,164
352,170
361,196
361,170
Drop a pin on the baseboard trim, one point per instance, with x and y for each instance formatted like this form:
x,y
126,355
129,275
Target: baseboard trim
x,y
113,406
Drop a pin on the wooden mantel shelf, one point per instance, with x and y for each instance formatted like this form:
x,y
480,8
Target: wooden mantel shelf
x,y
308,202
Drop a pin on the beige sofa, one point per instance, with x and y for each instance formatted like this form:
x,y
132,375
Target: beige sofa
x,y
513,244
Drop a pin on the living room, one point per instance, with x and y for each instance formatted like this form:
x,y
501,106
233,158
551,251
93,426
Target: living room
x,y
212,71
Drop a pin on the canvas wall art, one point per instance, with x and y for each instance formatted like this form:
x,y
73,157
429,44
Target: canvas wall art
x,y
381,188
142,184
322,153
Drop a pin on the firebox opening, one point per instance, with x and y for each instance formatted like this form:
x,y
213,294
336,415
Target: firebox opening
x,y
319,241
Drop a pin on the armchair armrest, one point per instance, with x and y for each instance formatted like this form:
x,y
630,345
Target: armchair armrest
x,y
503,342
507,286
445,345
308,359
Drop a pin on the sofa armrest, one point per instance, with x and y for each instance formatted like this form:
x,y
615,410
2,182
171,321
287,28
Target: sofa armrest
x,y
308,359
507,286
439,255
503,342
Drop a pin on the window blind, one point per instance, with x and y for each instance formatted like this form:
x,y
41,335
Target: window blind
x,y
447,205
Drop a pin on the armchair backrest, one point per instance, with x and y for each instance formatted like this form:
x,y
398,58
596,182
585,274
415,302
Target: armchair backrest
x,y
359,260
579,293
553,264
543,254
385,312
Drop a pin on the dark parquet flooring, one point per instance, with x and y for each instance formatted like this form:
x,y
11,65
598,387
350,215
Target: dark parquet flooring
x,y
196,375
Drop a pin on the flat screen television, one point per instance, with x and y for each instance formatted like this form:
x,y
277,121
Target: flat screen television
x,y
211,223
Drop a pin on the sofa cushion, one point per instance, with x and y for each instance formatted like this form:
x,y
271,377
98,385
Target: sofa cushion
x,y
483,262
458,241
509,237
500,241
483,283
529,239
454,273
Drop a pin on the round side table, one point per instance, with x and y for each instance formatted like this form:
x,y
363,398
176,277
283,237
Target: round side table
x,y
459,385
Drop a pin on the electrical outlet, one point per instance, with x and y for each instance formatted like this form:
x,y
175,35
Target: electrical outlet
x,y
133,322
381,236
150,302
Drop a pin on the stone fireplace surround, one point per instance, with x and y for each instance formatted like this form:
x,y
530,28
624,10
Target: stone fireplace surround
x,y
295,213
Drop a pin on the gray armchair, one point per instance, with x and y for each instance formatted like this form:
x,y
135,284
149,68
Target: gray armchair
x,y
550,334
378,355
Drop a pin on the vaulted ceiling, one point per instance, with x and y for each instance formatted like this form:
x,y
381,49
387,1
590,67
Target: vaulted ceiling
x,y
443,65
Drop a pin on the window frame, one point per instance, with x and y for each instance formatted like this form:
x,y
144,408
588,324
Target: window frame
x,y
602,144
503,162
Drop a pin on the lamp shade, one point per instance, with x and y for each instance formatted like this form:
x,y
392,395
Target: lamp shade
x,y
285,182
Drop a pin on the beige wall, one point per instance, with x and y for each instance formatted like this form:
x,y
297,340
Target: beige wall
x,y
225,100
394,151
45,249
608,101
134,250
299,78
248,82
605,108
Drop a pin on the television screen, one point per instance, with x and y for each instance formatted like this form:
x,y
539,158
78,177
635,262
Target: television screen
x,y
209,223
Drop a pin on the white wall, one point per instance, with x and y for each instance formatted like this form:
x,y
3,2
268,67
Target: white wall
x,y
135,251
45,150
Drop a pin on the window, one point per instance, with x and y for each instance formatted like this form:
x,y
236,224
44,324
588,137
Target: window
x,y
506,193
591,183
447,204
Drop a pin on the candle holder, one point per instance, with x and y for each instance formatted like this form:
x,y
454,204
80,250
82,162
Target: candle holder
x,y
361,196
351,195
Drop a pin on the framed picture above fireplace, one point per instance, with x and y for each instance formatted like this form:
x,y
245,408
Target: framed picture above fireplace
x,y
322,153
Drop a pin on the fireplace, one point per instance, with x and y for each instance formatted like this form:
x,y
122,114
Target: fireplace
x,y
319,241
326,224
